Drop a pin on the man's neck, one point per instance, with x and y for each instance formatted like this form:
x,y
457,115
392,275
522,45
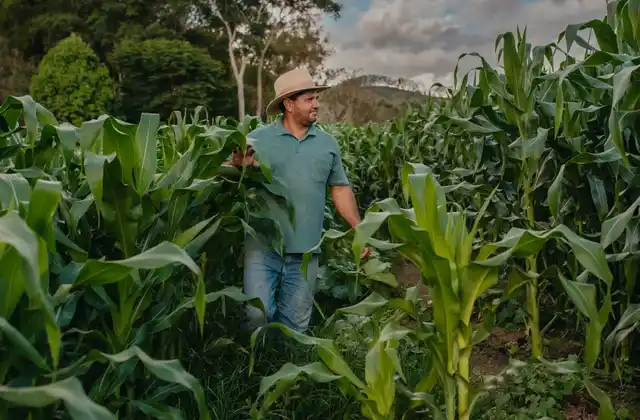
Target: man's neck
x,y
298,130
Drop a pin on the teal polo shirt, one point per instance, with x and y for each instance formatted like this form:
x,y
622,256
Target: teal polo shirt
x,y
306,167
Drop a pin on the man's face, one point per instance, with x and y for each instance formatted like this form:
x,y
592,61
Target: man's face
x,y
304,108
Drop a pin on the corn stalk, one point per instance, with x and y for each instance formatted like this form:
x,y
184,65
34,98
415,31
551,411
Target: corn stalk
x,y
104,230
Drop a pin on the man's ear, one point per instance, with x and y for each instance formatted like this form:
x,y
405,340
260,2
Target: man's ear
x,y
288,103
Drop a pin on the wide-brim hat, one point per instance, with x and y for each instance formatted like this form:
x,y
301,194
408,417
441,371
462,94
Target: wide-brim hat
x,y
290,83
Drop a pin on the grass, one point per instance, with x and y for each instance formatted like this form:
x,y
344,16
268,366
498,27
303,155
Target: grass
x,y
231,391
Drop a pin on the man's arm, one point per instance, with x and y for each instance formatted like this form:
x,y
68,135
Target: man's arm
x,y
343,198
345,203
347,207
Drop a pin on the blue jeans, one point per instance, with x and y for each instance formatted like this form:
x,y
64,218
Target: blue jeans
x,y
279,283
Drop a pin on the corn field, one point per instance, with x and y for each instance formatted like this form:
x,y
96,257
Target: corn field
x,y
120,244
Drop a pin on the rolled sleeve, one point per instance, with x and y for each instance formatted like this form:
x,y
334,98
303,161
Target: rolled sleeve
x,y
338,175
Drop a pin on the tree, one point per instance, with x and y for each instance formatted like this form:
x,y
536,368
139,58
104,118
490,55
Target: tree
x,y
301,44
112,21
33,27
287,52
252,26
162,75
254,40
15,71
72,82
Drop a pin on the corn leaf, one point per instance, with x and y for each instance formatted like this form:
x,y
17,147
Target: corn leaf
x,y
69,390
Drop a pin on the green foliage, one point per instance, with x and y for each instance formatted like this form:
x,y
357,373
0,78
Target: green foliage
x,y
545,137
522,181
120,242
531,392
105,233
32,28
48,29
35,27
162,75
511,313
15,71
72,82
437,240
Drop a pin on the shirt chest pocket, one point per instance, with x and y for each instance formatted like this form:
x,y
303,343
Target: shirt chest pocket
x,y
320,168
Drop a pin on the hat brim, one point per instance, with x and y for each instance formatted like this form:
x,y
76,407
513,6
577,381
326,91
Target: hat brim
x,y
272,107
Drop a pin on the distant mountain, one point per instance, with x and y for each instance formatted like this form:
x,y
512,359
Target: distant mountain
x,y
359,101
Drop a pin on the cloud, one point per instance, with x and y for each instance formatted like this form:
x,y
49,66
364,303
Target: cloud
x,y
411,36
422,39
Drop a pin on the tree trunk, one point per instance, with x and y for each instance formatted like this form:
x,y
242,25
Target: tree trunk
x,y
238,75
263,54
259,87
240,93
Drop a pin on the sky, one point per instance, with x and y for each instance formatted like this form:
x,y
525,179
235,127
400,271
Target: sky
x,y
422,39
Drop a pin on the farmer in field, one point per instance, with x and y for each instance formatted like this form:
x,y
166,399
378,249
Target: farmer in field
x,y
307,160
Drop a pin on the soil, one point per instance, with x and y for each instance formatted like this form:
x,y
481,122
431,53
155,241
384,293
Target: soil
x,y
408,275
579,412
492,356
486,361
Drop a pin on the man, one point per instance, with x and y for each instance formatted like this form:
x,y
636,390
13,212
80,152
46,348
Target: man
x,y
307,160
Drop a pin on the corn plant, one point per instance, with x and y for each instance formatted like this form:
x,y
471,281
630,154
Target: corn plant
x,y
376,392
434,235
108,238
553,131
115,234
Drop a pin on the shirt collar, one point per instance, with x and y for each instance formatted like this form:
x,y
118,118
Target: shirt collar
x,y
281,130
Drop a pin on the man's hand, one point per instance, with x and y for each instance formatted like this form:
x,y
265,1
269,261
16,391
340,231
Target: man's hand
x,y
238,159
366,253
345,203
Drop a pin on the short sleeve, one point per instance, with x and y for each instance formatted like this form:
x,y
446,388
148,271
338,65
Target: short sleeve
x,y
338,175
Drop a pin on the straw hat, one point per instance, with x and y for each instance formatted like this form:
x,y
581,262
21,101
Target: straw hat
x,y
291,82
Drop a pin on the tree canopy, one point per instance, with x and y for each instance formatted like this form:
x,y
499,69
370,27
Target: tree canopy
x,y
170,54
163,75
72,82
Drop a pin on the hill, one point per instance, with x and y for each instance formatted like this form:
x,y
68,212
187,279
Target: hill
x,y
355,102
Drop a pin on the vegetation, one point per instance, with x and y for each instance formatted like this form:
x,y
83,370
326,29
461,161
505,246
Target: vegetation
x,y
153,76
366,99
72,82
542,162
515,198
15,72
105,250
245,43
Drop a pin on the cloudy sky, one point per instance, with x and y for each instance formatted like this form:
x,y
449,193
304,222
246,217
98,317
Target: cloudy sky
x,y
422,39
